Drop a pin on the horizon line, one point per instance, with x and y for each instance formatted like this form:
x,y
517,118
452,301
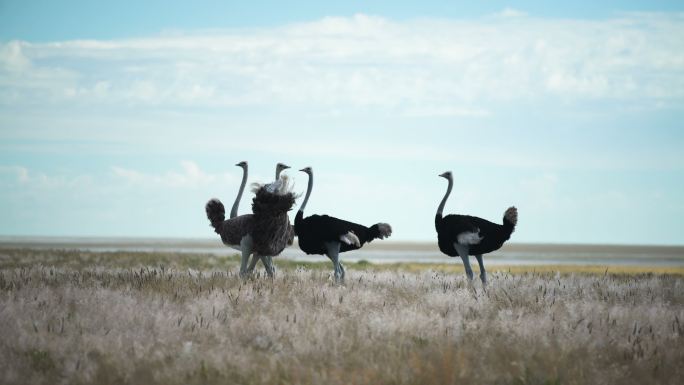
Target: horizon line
x,y
94,239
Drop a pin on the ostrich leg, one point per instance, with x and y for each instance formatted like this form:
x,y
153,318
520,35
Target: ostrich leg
x,y
463,252
252,264
334,255
267,260
270,267
246,248
483,273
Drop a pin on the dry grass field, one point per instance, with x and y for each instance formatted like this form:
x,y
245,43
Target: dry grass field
x,y
72,317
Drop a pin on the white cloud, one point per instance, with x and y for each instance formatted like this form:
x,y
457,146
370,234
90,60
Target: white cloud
x,y
444,111
511,12
19,173
12,58
35,183
433,67
190,176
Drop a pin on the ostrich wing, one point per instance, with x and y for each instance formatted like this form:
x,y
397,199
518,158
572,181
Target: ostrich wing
x,y
454,225
329,229
491,235
467,229
234,229
342,227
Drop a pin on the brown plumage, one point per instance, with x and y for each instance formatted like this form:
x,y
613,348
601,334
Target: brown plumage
x,y
231,230
271,229
265,232
234,229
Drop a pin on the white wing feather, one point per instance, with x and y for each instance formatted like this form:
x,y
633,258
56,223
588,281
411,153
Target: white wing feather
x,y
469,238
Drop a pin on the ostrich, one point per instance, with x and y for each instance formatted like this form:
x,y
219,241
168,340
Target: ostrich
x,y
243,165
280,167
463,235
322,234
236,232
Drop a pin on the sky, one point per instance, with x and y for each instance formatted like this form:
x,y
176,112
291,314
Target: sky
x,y
122,119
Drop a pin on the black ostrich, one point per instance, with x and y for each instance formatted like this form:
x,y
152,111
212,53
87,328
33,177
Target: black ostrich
x,y
463,235
323,234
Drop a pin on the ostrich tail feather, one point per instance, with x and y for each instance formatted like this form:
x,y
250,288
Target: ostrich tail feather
x,y
385,230
511,217
379,231
216,214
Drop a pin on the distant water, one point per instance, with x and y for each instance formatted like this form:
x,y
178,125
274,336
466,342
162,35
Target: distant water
x,y
385,252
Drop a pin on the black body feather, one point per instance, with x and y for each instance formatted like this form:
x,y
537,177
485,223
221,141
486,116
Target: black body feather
x,y
449,227
315,230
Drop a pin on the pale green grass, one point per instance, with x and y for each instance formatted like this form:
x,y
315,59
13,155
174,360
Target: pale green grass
x,y
134,318
76,259
457,267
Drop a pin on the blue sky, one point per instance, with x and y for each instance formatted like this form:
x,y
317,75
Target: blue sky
x,y
77,19
122,119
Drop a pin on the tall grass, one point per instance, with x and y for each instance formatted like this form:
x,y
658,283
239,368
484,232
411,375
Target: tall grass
x,y
91,323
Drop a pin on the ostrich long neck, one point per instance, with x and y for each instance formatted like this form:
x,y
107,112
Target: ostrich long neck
x,y
446,196
309,187
234,210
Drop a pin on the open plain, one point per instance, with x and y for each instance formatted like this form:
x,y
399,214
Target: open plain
x,y
73,317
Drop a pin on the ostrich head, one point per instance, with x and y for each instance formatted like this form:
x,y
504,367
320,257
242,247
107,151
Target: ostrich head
x,y
281,166
307,170
242,164
446,175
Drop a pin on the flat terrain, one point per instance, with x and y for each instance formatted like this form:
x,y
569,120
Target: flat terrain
x,y
130,317
386,251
